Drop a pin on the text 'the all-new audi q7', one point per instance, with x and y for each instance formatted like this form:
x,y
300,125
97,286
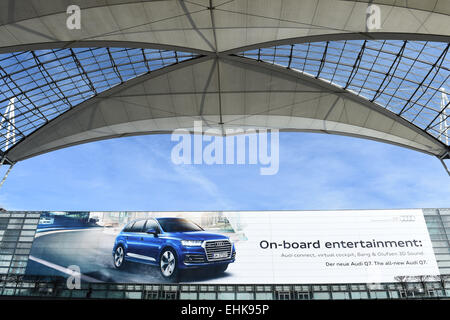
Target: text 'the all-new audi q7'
x,y
172,244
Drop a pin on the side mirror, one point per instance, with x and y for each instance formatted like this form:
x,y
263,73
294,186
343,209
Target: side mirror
x,y
152,231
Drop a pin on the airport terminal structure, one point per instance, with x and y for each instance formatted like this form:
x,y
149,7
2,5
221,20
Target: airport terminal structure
x,y
73,73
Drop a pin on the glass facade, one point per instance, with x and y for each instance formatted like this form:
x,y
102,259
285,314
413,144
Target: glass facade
x,y
17,230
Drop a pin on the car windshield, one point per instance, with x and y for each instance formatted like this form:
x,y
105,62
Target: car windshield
x,y
178,225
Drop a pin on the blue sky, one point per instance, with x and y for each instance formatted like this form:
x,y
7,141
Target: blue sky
x,y
317,172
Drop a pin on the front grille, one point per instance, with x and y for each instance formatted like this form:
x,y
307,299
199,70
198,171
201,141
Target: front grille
x,y
218,247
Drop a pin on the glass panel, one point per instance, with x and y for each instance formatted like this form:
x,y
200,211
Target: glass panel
x,y
394,294
321,295
207,296
115,295
372,69
133,295
264,296
53,81
226,296
380,294
340,295
244,296
189,296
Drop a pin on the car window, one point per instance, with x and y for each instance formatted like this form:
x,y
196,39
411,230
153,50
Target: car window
x,y
128,227
178,225
138,226
151,224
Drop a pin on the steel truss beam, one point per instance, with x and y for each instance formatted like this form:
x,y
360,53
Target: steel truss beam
x,y
231,55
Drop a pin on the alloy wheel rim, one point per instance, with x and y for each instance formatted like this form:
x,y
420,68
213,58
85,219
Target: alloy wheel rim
x,y
167,263
118,257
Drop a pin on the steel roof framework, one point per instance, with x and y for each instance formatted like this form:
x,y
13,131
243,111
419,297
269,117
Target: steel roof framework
x,y
47,83
405,77
50,75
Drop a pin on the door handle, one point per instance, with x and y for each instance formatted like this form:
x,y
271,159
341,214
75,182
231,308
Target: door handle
x,y
142,238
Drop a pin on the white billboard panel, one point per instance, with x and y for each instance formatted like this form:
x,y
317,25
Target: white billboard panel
x,y
360,246
260,247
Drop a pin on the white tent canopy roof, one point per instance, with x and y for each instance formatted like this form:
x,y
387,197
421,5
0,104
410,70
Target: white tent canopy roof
x,y
216,25
140,67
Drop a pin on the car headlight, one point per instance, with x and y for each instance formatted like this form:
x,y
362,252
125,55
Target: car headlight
x,y
191,243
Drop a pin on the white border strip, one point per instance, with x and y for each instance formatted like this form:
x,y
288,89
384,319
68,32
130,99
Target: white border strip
x,y
139,256
44,233
63,269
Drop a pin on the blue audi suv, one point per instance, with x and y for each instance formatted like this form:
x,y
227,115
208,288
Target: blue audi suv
x,y
172,244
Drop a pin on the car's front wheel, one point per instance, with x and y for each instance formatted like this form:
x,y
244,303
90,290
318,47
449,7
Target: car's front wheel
x,y
119,257
168,265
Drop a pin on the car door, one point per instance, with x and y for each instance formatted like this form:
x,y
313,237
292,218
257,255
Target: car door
x,y
135,239
151,244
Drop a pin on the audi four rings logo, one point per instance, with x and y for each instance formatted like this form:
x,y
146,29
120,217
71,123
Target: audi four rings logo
x,y
216,244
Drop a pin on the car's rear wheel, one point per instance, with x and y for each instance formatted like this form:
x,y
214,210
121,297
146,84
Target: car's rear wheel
x,y
168,265
119,257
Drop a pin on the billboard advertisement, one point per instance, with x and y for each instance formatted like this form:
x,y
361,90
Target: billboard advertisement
x,y
271,247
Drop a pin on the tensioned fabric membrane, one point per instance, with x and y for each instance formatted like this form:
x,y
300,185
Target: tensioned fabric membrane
x,y
141,67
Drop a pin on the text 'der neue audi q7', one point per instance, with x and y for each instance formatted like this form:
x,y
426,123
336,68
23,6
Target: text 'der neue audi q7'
x,y
172,244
